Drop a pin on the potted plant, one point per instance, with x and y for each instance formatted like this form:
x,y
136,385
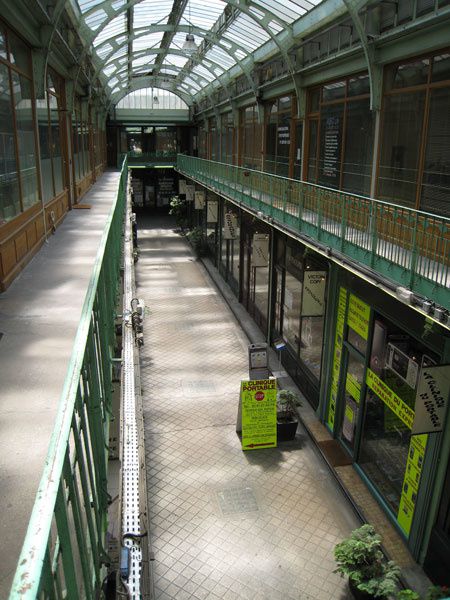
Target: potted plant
x,y
407,595
360,557
178,209
435,592
287,419
198,241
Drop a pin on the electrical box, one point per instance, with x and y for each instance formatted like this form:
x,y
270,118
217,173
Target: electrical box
x,y
258,363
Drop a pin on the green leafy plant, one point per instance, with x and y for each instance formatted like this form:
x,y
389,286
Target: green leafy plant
x,y
435,592
178,209
360,558
198,241
407,595
287,402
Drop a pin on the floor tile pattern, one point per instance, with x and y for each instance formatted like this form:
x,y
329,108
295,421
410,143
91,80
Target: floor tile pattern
x,y
224,524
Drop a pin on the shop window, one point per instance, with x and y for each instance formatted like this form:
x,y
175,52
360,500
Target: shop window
x,y
278,137
250,132
331,125
3,53
229,256
9,189
436,173
357,167
441,68
18,172
49,114
414,152
227,135
400,151
301,307
339,135
333,91
166,140
395,362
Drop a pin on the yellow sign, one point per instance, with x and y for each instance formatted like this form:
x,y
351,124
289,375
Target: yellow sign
x,y
338,342
358,316
259,414
390,398
353,387
414,464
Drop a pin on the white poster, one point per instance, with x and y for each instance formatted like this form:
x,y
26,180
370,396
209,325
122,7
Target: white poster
x,y
182,186
199,199
431,399
260,253
212,211
190,192
230,227
314,293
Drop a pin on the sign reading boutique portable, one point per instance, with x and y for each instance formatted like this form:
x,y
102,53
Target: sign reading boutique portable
x,y
431,399
259,414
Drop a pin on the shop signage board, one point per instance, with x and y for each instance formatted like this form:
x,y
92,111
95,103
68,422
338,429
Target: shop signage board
x,y
199,199
182,186
259,414
390,398
432,398
260,250
212,211
230,226
331,147
337,357
190,191
358,316
314,293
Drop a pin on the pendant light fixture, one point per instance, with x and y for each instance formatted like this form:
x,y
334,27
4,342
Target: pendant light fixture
x,y
189,47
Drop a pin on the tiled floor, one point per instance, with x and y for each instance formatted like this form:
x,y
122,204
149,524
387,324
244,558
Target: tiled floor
x,y
224,524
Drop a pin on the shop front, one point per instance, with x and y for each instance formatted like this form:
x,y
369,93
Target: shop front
x,y
300,283
382,354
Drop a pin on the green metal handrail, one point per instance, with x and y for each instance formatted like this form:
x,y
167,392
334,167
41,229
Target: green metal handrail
x,y
408,247
63,553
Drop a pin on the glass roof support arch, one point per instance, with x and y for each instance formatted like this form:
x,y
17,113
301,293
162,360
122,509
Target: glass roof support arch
x,y
374,69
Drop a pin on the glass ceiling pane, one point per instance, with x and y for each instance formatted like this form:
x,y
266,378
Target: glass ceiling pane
x,y
204,72
152,11
150,40
199,13
245,32
174,59
114,27
86,5
95,19
219,56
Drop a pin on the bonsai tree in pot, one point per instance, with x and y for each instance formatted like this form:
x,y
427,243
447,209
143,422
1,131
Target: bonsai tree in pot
x,y
360,558
287,419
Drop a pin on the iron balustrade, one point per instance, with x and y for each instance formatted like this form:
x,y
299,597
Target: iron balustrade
x,y
63,555
408,247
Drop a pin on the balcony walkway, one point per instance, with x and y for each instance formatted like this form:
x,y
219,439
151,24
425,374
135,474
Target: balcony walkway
x,y
406,247
224,524
39,316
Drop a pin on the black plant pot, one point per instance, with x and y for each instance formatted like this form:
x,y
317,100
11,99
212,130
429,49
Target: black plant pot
x,y
359,594
286,430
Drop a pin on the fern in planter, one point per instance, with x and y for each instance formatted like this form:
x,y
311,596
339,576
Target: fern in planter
x,y
178,209
198,241
360,558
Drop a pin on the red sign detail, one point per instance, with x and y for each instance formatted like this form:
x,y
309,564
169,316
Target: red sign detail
x,y
259,396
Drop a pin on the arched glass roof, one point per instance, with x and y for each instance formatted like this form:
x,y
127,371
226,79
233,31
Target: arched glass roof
x,y
137,40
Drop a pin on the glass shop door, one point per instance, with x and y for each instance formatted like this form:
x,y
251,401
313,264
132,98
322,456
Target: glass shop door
x,y
352,384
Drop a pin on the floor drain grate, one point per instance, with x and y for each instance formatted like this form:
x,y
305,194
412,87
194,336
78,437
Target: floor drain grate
x,y
237,500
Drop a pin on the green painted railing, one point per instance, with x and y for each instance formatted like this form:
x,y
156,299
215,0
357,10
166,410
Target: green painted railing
x,y
410,248
63,555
